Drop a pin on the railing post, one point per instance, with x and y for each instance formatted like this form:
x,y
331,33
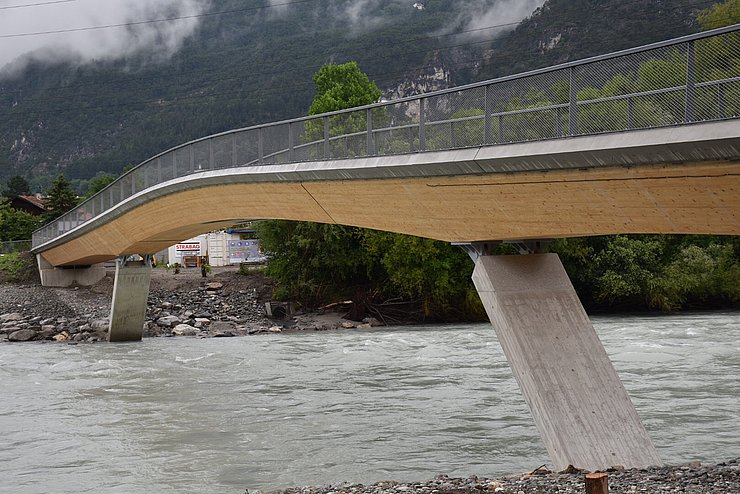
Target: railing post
x,y
370,141
326,138
453,140
487,134
690,115
422,125
260,147
291,145
573,108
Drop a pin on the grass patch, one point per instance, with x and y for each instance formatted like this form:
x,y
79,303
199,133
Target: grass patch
x,y
18,267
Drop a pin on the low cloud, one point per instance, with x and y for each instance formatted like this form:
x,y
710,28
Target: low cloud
x,y
160,39
489,18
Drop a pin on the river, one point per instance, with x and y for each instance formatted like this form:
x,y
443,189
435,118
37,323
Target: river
x,y
176,415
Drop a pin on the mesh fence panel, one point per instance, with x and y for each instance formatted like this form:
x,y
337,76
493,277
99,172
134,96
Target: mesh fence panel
x,y
659,75
275,144
348,135
151,172
246,147
124,185
201,155
182,163
396,128
455,120
524,109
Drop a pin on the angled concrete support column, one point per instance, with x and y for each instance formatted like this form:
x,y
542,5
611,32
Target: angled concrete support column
x,y
582,411
67,276
130,293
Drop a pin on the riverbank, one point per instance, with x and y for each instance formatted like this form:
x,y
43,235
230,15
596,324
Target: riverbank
x,y
226,303
691,478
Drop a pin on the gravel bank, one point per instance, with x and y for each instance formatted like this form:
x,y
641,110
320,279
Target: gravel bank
x,y
693,478
185,304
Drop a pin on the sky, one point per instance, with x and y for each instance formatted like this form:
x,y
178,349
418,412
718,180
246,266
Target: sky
x,y
162,39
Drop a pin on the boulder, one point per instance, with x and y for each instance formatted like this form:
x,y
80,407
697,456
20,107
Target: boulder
x,y
214,286
63,336
348,325
201,322
184,330
98,324
11,316
22,335
169,321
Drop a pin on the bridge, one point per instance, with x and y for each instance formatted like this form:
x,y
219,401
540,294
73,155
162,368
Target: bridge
x,y
645,140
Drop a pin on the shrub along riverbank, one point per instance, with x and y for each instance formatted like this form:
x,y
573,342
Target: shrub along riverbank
x,y
318,264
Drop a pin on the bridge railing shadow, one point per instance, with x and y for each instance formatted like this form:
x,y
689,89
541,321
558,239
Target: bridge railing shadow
x,y
676,82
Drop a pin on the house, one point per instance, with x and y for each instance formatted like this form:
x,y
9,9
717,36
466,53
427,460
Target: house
x,y
29,204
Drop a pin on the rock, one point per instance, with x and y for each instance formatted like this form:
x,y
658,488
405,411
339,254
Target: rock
x,y
63,336
98,324
225,334
11,316
214,286
22,335
184,330
372,322
348,325
168,321
46,334
201,322
275,329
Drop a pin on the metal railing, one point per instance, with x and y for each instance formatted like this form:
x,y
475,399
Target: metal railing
x,y
13,246
677,82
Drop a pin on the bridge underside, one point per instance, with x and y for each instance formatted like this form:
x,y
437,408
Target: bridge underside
x,y
699,198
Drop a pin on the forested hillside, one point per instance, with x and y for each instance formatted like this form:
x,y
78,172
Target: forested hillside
x,y
248,64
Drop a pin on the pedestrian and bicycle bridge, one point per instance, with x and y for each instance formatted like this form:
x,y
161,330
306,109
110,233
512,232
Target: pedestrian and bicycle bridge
x,y
646,140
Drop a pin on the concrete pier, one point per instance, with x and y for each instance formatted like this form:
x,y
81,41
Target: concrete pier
x,y
63,277
130,293
581,409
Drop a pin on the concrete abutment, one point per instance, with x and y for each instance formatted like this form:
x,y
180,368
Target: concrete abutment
x,y
580,407
63,277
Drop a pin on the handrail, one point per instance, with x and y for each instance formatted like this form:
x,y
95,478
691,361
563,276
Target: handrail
x,y
552,98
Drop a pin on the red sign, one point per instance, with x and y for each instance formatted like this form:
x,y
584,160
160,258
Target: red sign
x,y
190,246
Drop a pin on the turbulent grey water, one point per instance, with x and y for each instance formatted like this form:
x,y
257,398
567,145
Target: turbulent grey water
x,y
223,415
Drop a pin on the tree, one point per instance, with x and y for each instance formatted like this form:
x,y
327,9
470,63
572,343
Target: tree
x,y
17,186
342,86
720,15
339,87
14,224
60,198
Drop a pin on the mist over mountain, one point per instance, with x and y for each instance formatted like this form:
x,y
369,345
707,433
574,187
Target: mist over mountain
x,y
101,99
